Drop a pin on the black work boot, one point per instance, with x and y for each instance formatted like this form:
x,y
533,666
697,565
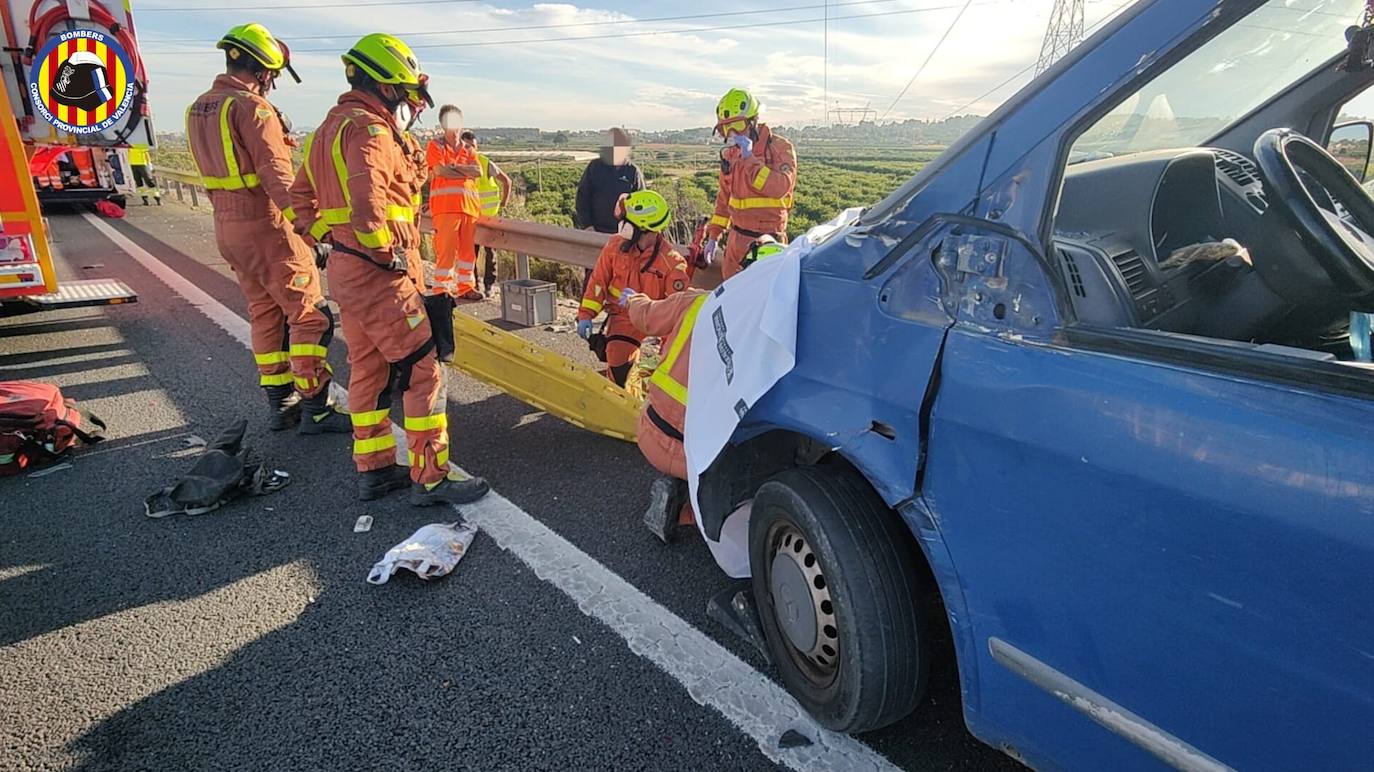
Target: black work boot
x,y
450,490
379,482
284,407
319,416
666,497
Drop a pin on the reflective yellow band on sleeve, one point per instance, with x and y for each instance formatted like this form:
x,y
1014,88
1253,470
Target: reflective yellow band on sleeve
x,y
761,178
280,379
289,214
427,423
723,222
370,418
374,445
615,292
319,230
272,358
416,199
591,305
761,203
339,215
378,239
397,213
309,350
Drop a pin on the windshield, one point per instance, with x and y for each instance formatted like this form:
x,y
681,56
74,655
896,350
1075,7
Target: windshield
x,y
1230,75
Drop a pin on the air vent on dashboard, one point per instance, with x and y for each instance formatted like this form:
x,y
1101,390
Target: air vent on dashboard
x,y
1240,169
1132,270
1071,269
1245,174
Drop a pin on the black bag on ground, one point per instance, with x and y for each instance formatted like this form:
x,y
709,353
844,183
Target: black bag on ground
x,y
221,475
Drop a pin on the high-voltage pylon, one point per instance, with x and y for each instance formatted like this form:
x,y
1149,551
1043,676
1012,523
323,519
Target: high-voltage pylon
x,y
1065,30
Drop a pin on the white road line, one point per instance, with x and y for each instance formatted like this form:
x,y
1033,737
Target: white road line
x,y
710,673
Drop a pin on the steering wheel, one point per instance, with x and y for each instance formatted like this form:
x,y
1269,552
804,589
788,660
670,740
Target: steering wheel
x,y
1329,208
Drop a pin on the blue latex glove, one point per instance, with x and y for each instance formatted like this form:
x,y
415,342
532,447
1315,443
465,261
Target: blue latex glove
x,y
625,296
709,254
744,143
584,328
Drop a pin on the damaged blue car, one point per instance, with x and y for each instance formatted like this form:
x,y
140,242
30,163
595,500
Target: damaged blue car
x,y
1096,394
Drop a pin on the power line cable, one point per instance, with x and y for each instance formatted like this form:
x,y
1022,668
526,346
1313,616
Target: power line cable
x,y
1093,28
929,56
648,33
325,7
563,25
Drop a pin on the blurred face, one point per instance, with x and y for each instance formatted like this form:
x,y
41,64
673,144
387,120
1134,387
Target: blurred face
x,y
470,143
451,122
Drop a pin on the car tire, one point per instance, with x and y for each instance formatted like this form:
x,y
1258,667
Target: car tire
x,y
838,586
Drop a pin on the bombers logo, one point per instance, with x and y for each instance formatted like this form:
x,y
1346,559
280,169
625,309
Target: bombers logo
x,y
82,81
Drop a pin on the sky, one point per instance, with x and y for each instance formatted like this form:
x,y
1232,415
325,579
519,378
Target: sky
x,y
488,58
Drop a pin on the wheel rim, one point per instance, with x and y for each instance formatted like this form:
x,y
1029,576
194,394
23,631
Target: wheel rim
x,y
802,605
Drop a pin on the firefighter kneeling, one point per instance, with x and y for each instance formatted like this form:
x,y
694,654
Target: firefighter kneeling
x,y
358,189
665,410
638,259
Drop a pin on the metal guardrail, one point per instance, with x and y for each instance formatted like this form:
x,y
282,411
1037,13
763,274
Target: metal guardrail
x,y
526,239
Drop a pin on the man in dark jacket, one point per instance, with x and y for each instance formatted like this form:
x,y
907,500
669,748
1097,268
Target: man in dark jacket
x,y
605,180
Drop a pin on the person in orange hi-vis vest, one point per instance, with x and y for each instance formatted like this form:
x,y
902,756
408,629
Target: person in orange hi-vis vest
x,y
239,143
455,205
758,172
660,438
637,258
359,189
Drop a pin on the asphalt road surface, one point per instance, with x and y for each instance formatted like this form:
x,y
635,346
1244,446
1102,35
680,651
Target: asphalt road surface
x,y
568,638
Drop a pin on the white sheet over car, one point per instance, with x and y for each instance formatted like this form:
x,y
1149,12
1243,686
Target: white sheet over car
x,y
744,341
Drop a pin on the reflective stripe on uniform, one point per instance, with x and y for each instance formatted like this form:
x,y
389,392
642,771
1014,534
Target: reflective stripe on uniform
x,y
279,379
761,203
378,239
319,230
440,459
289,214
591,305
723,222
370,418
761,178
233,179
427,423
662,377
374,445
272,358
398,213
488,190
337,216
615,292
309,350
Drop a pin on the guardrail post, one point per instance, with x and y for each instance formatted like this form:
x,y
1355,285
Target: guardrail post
x,y
181,194
522,265
195,199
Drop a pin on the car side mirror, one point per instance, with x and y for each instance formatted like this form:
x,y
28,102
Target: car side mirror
x,y
1350,144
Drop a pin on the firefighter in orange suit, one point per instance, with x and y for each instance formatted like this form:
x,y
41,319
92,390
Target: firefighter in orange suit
x,y
660,437
239,143
638,257
758,172
455,204
358,190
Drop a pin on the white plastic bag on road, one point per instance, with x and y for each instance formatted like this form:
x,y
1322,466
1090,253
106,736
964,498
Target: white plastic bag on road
x,y
432,551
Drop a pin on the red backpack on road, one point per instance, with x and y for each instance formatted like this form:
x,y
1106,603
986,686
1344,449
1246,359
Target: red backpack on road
x,y
38,426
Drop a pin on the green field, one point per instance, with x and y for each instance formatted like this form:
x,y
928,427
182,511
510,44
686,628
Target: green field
x,y
830,178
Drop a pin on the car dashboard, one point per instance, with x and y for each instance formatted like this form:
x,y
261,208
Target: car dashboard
x,y
1121,219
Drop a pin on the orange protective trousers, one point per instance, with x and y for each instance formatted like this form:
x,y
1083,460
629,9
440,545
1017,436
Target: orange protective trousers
x,y
384,320
277,274
455,254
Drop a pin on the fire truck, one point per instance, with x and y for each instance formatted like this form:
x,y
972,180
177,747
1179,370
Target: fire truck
x,y
77,89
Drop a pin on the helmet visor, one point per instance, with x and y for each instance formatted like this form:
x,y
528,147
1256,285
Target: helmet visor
x,y
286,59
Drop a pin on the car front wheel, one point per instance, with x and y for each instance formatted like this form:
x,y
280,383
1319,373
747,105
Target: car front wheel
x,y
837,582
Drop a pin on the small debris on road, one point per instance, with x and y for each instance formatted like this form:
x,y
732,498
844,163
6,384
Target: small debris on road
x,y
793,739
363,524
430,552
194,442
